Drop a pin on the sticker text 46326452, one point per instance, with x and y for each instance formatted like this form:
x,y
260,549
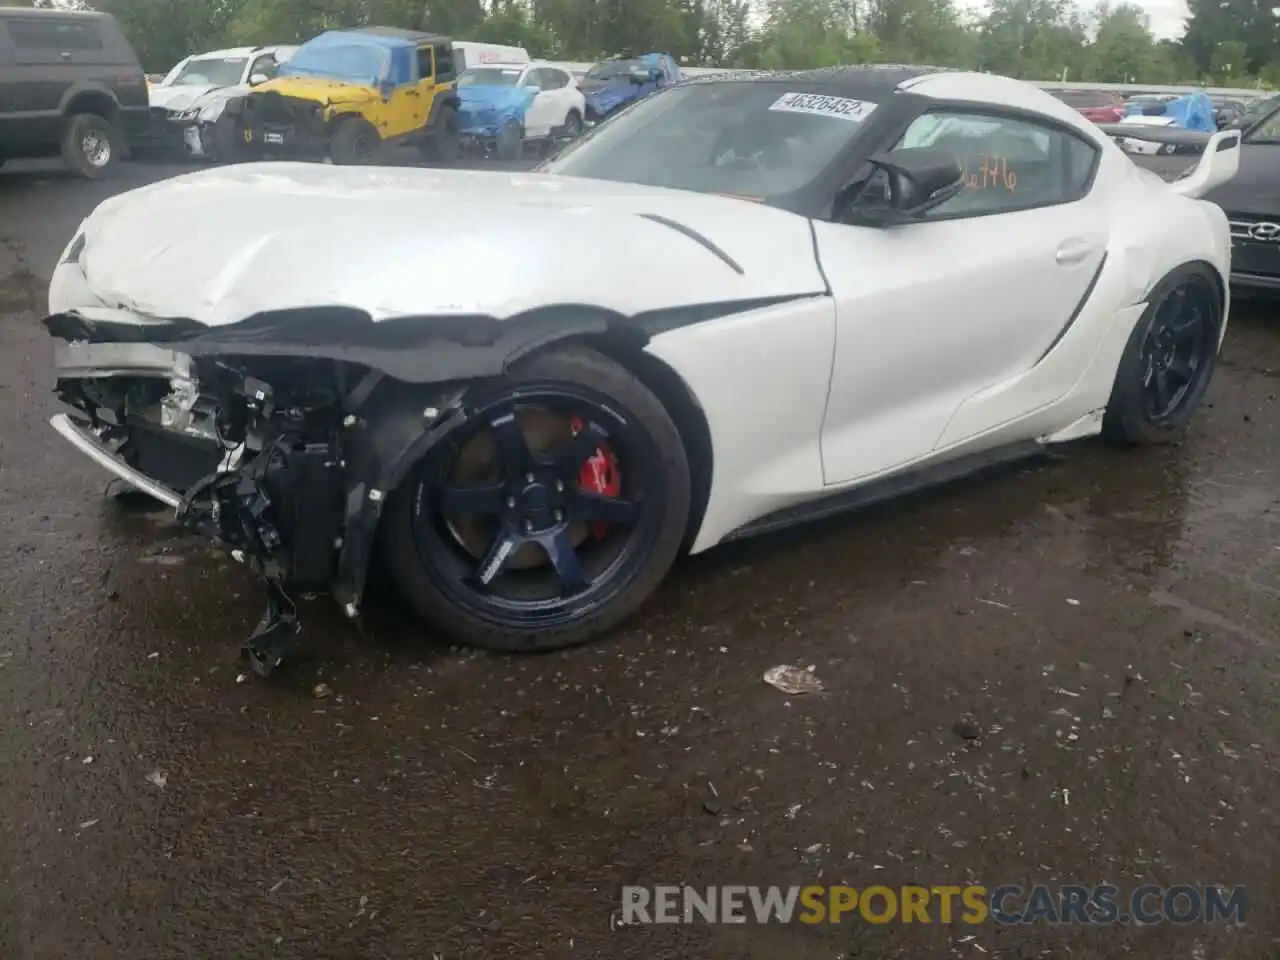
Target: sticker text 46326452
x,y
821,105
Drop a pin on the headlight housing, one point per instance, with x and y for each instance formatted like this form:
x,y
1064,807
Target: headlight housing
x,y
74,249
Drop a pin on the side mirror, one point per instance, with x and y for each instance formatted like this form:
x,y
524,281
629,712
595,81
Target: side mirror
x,y
919,179
639,78
257,79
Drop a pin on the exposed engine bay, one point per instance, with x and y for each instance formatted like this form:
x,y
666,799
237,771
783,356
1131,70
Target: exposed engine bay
x,y
283,461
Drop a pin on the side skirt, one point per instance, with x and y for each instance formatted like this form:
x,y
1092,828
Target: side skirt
x,y
892,487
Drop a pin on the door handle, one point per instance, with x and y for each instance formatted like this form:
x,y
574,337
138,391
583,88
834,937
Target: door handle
x,y
1073,251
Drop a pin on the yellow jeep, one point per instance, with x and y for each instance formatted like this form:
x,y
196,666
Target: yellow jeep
x,y
347,94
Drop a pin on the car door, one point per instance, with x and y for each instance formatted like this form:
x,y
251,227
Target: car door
x,y
410,100
970,296
550,106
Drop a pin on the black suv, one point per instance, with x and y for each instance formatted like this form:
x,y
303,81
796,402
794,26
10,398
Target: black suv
x,y
70,84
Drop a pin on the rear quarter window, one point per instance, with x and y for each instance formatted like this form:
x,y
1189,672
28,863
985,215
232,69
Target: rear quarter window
x,y
83,40
47,33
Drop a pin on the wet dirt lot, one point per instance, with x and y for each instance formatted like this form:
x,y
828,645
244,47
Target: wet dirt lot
x,y
1067,673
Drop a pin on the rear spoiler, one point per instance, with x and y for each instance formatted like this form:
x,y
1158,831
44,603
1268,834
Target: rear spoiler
x,y
1219,160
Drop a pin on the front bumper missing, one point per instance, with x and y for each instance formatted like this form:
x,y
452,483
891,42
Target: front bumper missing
x,y
277,632
294,494
88,443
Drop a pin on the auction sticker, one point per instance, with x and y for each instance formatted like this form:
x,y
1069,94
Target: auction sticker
x,y
821,105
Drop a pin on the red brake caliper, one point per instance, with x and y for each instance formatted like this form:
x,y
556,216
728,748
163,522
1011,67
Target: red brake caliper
x,y
600,475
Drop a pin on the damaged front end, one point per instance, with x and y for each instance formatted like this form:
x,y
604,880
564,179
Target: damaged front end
x,y
277,453
274,124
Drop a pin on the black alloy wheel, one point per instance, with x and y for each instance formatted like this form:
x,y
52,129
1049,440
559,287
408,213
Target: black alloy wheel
x,y
1176,350
550,515
1169,360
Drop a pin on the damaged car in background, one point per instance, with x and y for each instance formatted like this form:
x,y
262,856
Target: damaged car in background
x,y
189,103
530,443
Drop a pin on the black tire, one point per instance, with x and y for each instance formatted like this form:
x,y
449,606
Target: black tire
x,y
509,145
355,142
573,125
444,592
445,142
226,139
91,146
1185,313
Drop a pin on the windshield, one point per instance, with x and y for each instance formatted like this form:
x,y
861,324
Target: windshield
x,y
490,76
616,69
211,72
1266,130
356,62
757,139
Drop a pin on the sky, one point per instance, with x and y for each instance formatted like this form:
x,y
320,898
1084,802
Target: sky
x,y
1167,16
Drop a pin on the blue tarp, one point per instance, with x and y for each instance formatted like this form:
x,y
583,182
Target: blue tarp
x,y
1194,111
355,58
485,108
608,86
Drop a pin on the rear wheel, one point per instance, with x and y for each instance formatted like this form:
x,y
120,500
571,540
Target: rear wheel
x,y
355,142
1169,360
551,515
91,145
444,143
225,138
510,143
573,125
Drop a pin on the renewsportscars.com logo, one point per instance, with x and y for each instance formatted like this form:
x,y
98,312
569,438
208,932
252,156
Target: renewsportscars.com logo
x,y
1007,904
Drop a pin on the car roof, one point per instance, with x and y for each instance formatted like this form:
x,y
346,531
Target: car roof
x,y
859,80
397,36
879,82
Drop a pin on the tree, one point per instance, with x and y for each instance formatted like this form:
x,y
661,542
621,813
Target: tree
x,y
1234,42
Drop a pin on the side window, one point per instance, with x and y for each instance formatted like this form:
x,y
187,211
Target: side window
x,y
1007,164
426,68
554,79
446,68
265,65
50,40
535,79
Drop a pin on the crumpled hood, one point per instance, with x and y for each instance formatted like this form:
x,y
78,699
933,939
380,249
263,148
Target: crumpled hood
x,y
486,106
319,89
178,98
221,245
213,102
610,96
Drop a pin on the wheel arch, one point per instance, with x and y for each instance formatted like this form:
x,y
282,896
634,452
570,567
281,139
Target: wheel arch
x,y
623,340
410,397
91,100
681,405
1195,266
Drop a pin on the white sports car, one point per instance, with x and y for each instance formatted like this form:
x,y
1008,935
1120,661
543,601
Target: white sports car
x,y
744,302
